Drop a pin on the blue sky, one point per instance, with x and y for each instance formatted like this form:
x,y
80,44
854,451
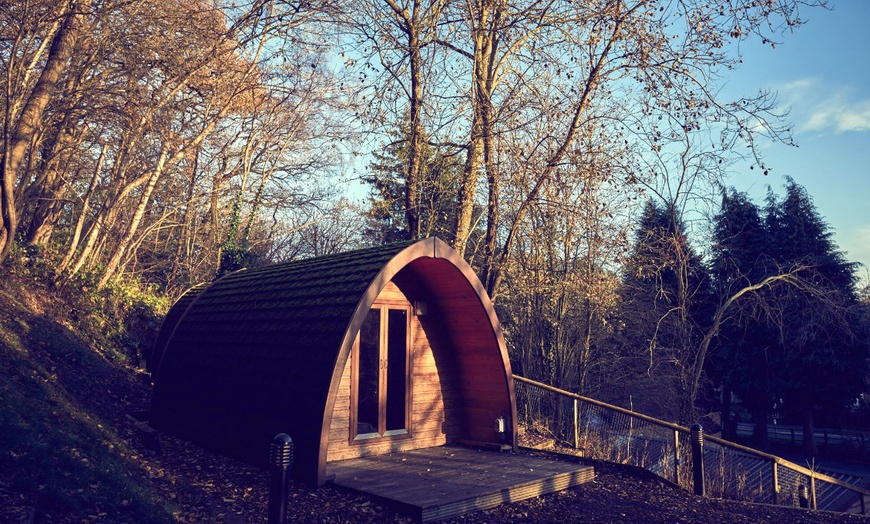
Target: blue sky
x,y
822,73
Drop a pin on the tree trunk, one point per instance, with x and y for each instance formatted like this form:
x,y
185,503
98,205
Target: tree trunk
x,y
187,235
727,421
215,215
493,179
586,348
86,204
49,187
467,191
759,433
104,221
476,142
31,117
412,179
124,243
413,24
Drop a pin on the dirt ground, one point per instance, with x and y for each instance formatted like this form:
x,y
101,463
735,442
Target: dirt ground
x,y
237,493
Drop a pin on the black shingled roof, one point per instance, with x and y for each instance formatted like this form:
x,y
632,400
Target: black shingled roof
x,y
262,344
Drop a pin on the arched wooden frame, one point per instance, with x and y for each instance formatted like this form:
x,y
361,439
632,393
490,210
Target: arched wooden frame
x,y
446,259
468,350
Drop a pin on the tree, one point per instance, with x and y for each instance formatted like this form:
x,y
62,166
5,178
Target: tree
x,y
557,308
742,360
559,297
26,102
665,309
790,326
394,42
515,86
605,48
436,177
337,231
824,352
161,120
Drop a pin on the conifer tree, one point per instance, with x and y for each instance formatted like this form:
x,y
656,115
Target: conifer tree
x,y
437,178
796,339
665,308
823,351
742,361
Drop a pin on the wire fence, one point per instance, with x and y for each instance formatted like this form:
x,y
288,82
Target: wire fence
x,y
730,471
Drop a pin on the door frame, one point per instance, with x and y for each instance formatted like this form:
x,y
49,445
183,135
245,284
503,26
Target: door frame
x,y
357,438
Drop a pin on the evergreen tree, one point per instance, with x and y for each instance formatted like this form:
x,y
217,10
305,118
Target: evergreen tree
x,y
665,308
742,360
385,218
438,179
800,340
823,352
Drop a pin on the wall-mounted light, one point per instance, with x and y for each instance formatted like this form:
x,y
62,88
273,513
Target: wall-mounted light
x,y
500,428
420,308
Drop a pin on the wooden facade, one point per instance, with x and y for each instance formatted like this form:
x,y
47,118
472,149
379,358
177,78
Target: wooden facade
x,y
432,412
374,351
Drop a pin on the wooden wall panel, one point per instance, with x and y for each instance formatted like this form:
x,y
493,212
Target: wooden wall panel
x,y
434,392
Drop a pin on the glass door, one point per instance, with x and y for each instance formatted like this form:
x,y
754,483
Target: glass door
x,y
381,367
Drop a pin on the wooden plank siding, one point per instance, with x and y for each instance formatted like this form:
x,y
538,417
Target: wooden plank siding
x,y
457,314
429,400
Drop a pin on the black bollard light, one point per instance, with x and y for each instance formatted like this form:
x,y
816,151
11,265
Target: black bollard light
x,y
803,496
698,458
280,464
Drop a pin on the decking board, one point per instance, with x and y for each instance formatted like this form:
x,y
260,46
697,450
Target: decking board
x,y
437,483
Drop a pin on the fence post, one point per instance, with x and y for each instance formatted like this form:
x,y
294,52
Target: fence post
x,y
280,464
576,425
676,457
775,484
698,458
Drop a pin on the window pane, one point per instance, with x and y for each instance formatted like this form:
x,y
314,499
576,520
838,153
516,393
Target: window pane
x,y
369,364
397,359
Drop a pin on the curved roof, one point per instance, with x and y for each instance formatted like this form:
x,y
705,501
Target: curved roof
x,y
262,351
167,327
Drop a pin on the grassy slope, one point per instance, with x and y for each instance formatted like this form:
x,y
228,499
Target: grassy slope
x,y
65,447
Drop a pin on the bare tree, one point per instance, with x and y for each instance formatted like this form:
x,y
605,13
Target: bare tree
x,y
393,42
560,292
629,40
149,102
41,54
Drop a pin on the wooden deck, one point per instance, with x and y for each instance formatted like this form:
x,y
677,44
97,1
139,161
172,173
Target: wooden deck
x,y
442,482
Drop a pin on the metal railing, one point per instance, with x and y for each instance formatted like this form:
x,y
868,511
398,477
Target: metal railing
x,y
731,471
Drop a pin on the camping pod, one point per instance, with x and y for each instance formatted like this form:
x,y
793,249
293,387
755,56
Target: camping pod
x,y
367,352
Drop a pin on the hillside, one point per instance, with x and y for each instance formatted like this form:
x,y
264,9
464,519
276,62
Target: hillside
x,y
66,450
69,452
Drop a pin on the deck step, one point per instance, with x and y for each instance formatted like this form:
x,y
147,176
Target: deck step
x,y
438,483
